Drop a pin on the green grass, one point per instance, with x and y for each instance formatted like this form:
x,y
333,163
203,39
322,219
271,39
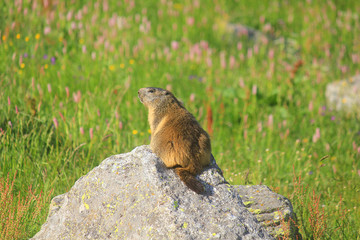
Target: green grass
x,y
69,75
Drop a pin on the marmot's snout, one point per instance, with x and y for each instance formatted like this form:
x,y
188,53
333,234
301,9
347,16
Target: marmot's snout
x,y
141,94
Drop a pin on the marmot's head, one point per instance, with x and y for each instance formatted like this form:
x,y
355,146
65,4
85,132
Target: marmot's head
x,y
156,97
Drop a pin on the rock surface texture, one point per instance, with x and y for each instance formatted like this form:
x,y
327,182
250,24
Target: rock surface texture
x,y
344,95
272,210
134,196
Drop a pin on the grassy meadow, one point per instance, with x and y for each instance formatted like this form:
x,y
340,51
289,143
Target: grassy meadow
x,y
70,71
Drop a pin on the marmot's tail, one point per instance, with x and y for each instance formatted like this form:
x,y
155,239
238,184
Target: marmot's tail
x,y
190,180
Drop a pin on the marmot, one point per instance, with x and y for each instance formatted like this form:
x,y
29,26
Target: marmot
x,y
176,137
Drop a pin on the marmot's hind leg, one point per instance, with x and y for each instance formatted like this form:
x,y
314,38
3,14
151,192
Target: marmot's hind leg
x,y
190,180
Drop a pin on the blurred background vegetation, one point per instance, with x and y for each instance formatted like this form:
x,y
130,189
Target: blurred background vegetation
x,y
252,72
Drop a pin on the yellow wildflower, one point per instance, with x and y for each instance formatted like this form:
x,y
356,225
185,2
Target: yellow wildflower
x,y
22,65
178,6
37,36
46,66
4,38
18,36
81,41
112,67
132,61
26,39
122,65
134,132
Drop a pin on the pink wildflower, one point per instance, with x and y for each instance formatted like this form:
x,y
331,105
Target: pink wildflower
x,y
249,53
311,106
241,82
56,123
209,61
232,62
91,133
271,54
174,45
316,136
77,96
204,45
254,90
190,21
47,30
67,92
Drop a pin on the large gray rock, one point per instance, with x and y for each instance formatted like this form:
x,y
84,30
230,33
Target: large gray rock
x,y
344,95
133,196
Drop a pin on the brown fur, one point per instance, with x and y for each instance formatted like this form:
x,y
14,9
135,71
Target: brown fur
x,y
176,137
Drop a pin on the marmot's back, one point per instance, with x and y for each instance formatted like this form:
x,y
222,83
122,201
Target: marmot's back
x,y
176,137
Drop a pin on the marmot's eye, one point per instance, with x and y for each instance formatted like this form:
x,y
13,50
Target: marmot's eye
x,y
151,91
167,93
